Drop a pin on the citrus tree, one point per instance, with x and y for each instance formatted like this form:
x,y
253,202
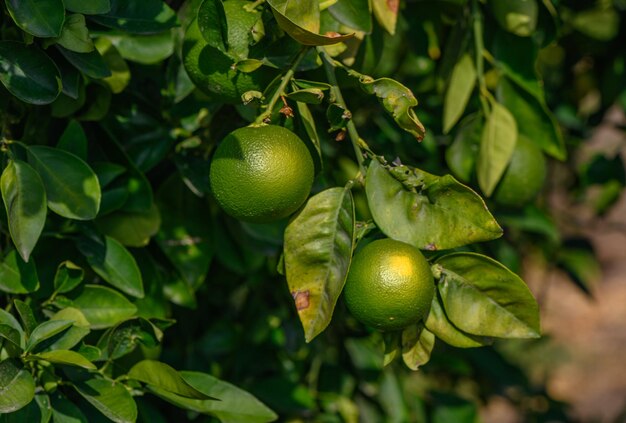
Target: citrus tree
x,y
189,187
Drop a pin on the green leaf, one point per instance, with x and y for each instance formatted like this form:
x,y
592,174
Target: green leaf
x,y
392,346
184,236
37,411
502,305
160,375
234,405
110,398
301,20
600,23
25,203
45,331
103,307
308,122
122,339
497,144
64,411
145,17
73,140
28,73
454,409
67,277
13,336
41,18
75,35
114,263
516,57
318,249
26,315
582,265
439,324
461,154
460,87
17,386
307,95
516,16
78,330
386,13
213,25
398,101
131,229
534,119
145,49
7,319
72,188
430,212
417,345
356,14
90,7
91,64
120,73
66,357
17,276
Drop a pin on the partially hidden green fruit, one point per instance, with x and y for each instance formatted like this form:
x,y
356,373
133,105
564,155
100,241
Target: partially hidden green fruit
x,y
261,174
524,176
212,70
389,286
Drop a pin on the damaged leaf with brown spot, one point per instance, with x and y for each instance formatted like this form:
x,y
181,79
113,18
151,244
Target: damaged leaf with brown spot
x,y
318,249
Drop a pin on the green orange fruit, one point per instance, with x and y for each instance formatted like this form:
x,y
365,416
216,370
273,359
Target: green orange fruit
x,y
389,286
261,174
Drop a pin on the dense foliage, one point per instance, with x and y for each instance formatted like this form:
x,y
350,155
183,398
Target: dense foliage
x,y
128,294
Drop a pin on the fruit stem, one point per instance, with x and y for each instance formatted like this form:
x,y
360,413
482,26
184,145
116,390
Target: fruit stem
x,y
478,55
329,67
266,116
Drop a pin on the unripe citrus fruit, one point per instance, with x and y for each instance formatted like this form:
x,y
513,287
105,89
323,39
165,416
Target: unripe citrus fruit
x,y
261,174
389,285
523,177
211,70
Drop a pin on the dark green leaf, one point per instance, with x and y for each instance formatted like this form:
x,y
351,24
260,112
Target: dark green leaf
x,y
386,13
430,212
17,387
114,263
534,119
398,101
68,276
582,265
502,305
145,17
356,14
516,16
47,330
301,20
28,73
11,335
309,127
75,35
66,357
392,341
453,409
110,398
37,411
103,307
26,315
120,73
41,18
439,324
497,144
461,155
91,64
74,140
234,405
72,188
213,25
517,58
184,237
161,376
88,7
10,321
64,411
17,276
25,202
318,249
417,344
145,49
130,228
307,95
460,87
125,337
